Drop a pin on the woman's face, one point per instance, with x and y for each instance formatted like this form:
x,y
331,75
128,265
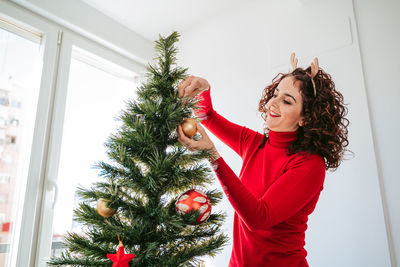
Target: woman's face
x,y
284,108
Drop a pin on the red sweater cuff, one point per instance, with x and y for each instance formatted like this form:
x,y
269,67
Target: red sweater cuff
x,y
205,109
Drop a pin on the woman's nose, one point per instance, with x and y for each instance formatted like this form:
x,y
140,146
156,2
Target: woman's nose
x,y
274,102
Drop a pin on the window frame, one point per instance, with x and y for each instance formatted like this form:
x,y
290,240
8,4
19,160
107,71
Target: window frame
x,y
69,40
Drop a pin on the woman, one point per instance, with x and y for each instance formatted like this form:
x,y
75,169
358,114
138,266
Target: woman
x,y
283,170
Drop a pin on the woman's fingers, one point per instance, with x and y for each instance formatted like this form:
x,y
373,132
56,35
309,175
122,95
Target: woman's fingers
x,y
201,130
191,144
185,83
191,86
192,90
205,140
183,138
181,88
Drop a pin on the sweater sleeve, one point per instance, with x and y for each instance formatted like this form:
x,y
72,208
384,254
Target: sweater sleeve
x,y
285,197
233,135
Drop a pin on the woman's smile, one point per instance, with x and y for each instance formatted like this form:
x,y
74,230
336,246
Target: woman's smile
x,y
273,114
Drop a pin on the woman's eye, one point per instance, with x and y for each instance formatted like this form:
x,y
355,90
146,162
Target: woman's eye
x,y
284,101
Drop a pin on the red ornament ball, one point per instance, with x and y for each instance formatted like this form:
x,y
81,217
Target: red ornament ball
x,y
195,200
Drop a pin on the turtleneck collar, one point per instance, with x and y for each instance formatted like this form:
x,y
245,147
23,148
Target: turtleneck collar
x,y
281,139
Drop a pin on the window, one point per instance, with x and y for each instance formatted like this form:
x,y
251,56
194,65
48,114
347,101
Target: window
x,y
97,92
19,83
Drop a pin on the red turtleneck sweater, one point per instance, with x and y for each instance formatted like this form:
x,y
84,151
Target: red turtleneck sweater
x,y
273,195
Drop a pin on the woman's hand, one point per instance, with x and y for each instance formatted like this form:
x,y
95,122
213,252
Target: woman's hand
x,y
202,144
192,85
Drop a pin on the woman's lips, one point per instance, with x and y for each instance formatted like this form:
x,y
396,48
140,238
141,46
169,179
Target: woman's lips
x,y
274,116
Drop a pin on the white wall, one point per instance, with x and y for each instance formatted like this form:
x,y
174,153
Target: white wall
x,y
378,27
240,51
85,20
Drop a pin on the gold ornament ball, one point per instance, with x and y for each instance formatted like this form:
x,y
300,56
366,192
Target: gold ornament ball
x,y
102,208
189,127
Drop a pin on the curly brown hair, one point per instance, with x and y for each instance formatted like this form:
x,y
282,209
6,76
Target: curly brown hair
x,y
324,131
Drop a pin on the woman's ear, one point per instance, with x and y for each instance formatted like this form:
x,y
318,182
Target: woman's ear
x,y
301,122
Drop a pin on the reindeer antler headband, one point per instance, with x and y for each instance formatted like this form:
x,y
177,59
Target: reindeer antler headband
x,y
314,69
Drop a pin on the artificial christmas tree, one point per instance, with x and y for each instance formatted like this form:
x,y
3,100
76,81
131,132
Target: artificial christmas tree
x,y
150,169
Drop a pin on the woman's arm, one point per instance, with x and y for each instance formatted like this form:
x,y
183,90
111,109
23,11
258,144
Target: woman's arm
x,y
233,135
296,187
301,183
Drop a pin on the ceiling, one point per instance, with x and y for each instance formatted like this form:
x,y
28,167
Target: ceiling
x,y
149,18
